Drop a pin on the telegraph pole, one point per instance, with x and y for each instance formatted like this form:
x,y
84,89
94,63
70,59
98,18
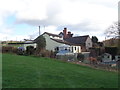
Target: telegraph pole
x,y
39,30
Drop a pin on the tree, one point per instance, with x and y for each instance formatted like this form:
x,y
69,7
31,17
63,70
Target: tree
x,y
94,39
41,43
113,30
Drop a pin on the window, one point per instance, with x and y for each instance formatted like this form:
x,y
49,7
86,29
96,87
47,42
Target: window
x,y
72,49
65,48
75,48
57,48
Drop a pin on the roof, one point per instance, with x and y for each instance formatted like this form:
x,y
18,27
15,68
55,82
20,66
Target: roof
x,y
61,33
63,41
26,42
54,35
107,54
20,43
77,40
50,34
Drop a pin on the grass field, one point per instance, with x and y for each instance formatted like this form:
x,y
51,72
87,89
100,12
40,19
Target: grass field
x,y
34,72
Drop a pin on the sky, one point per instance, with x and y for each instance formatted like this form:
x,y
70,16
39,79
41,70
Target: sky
x,y
19,19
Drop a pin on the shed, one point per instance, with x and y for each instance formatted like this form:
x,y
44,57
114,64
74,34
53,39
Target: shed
x,y
106,57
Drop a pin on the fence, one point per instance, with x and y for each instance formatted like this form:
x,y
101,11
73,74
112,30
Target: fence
x,y
67,57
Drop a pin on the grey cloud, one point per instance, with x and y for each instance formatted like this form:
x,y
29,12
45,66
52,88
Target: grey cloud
x,y
52,10
81,27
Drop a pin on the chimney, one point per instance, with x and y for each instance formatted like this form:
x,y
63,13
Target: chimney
x,y
65,32
69,34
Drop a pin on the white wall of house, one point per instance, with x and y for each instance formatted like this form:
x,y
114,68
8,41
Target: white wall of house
x,y
76,49
64,47
73,49
51,44
25,45
88,43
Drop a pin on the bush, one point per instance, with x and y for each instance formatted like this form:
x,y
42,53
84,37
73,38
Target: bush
x,y
80,57
20,52
6,49
30,50
99,58
9,49
46,53
14,50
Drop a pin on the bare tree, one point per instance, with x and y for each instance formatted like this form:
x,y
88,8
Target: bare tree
x,y
113,30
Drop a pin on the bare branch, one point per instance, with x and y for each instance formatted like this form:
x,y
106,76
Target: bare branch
x,y
113,30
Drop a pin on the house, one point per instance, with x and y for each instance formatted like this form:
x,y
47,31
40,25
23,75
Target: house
x,y
24,45
66,37
84,41
53,41
67,49
68,52
106,57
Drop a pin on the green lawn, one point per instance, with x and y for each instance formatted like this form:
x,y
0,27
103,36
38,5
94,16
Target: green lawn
x,y
34,72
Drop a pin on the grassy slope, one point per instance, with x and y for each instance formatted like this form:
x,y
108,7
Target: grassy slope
x,y
34,72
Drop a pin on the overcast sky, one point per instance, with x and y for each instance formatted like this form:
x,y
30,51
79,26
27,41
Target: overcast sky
x,y
20,19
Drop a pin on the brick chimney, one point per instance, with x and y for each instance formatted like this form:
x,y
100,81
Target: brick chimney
x,y
69,34
65,33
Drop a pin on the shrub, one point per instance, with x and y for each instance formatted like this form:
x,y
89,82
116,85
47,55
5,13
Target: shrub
x,y
80,57
6,49
52,54
45,53
99,58
20,52
30,50
9,49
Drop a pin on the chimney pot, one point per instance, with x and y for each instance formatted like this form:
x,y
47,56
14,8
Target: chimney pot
x,y
69,32
65,28
65,32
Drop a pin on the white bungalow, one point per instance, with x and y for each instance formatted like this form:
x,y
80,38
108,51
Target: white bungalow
x,y
67,52
68,49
